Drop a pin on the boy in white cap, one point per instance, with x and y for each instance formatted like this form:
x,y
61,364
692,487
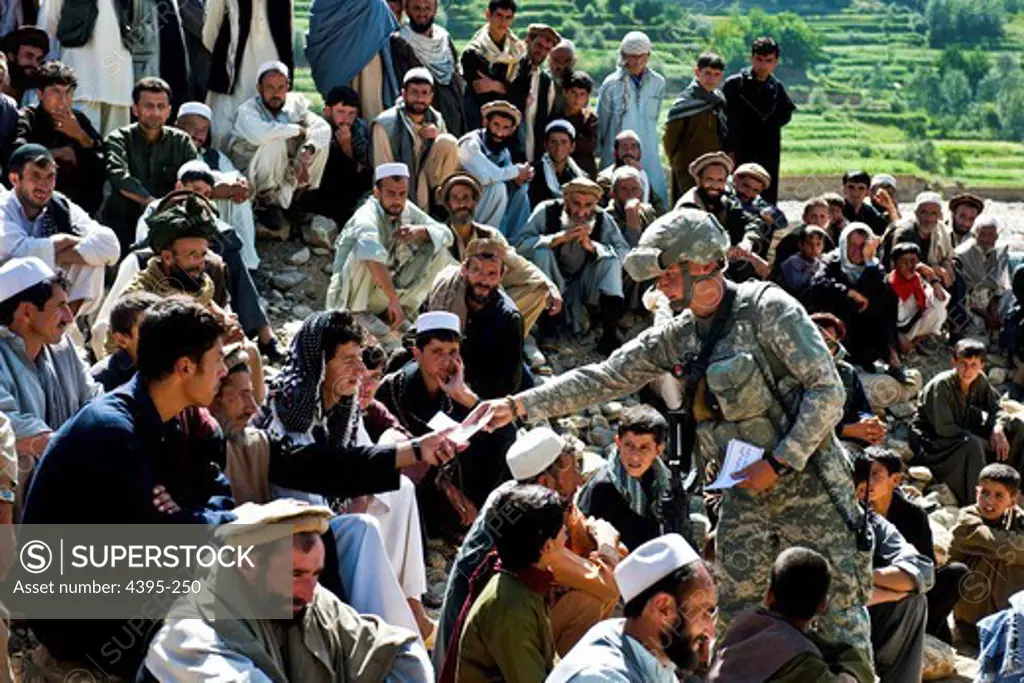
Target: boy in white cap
x,y
556,167
43,382
280,144
387,255
585,588
630,99
325,641
415,134
670,602
196,119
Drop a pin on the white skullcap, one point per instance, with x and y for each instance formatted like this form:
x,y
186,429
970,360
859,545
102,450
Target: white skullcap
x,y
883,179
195,109
273,65
562,125
390,170
635,43
259,524
533,453
565,44
194,166
418,73
652,562
626,171
437,320
985,220
628,134
19,274
927,198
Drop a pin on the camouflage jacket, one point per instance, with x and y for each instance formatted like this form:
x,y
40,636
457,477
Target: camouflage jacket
x,y
776,387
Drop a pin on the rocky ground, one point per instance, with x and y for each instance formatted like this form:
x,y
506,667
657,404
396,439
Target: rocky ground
x,y
293,279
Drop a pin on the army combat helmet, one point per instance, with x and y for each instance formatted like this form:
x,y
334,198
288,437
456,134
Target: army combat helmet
x,y
684,235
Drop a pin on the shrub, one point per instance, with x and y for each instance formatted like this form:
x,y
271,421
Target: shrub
x,y
924,154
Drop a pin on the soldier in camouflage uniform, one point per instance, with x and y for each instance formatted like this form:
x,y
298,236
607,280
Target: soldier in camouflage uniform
x,y
775,386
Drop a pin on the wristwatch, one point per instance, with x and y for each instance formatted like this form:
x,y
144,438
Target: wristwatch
x,y
417,451
7,496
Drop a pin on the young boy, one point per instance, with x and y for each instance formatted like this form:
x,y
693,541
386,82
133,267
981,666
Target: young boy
x,y
920,306
123,340
959,423
989,538
798,269
577,111
761,646
696,122
626,491
888,500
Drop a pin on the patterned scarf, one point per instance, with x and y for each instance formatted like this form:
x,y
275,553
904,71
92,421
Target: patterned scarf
x,y
154,279
433,51
508,55
632,490
551,176
295,396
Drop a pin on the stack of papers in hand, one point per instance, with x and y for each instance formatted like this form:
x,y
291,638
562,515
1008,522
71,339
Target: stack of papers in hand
x,y
462,433
738,455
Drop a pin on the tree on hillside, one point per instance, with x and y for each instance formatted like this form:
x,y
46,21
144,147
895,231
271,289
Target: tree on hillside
x,y
975,64
956,93
801,44
970,22
1010,105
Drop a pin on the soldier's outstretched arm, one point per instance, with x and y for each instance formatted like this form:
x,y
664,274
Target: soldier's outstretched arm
x,y
632,366
786,330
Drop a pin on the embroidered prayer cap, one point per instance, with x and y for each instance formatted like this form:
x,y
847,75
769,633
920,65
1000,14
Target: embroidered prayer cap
x,y
432,321
533,452
195,109
458,179
272,65
181,214
582,186
754,171
259,524
628,134
194,166
968,199
883,179
502,107
928,198
561,126
419,73
390,170
23,272
26,35
623,172
485,248
702,162
534,30
635,43
28,153
652,562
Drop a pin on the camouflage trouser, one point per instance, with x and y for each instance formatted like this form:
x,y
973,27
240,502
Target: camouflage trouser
x,y
850,626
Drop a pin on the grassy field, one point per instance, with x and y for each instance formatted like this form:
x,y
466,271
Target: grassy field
x,y
868,41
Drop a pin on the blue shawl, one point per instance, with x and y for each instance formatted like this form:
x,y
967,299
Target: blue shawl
x,y
343,36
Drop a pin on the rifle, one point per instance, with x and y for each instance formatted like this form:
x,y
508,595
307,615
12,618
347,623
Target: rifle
x,y
685,495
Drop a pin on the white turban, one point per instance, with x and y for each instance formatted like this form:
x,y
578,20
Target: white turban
x,y
635,43
565,44
927,198
985,220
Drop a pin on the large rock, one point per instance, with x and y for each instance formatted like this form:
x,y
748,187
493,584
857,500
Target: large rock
x,y
939,660
942,539
942,494
611,410
997,376
320,232
944,517
301,257
882,390
900,446
287,280
601,437
301,312
921,475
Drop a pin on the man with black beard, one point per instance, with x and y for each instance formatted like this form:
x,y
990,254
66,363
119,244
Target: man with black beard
x,y
670,603
25,49
748,234
964,209
422,43
492,346
533,89
414,133
484,154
